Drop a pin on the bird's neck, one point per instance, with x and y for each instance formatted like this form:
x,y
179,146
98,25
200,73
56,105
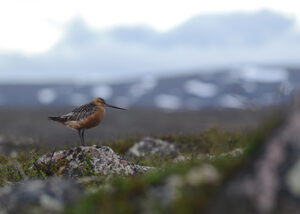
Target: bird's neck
x,y
101,107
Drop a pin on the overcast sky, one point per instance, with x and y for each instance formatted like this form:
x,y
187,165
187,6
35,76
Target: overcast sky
x,y
34,26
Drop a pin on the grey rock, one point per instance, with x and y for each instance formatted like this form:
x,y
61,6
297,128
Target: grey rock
x,y
151,146
100,160
39,196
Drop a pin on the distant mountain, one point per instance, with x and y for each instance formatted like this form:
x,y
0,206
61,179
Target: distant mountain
x,y
91,55
244,87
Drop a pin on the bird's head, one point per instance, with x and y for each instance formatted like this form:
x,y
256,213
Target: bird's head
x,y
101,102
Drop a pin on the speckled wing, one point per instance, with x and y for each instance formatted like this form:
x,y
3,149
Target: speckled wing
x,y
80,113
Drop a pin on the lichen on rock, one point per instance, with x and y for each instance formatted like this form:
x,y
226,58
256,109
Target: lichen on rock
x,y
87,160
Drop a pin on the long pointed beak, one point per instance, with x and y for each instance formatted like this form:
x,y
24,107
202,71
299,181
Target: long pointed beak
x,y
114,106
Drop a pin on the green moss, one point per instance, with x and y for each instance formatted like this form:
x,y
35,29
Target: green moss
x,y
20,168
3,160
121,146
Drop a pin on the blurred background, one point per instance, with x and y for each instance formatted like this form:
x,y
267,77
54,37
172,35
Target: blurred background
x,y
178,66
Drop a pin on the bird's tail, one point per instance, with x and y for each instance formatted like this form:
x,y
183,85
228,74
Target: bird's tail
x,y
58,119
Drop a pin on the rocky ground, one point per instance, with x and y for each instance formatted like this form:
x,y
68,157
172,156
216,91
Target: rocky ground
x,y
214,171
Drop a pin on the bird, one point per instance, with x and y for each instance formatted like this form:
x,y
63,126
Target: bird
x,y
85,117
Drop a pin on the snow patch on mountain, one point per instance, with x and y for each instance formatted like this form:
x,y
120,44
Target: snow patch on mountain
x,y
200,89
146,84
262,74
46,95
166,101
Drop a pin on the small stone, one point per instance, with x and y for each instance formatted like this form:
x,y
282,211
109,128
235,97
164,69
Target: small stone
x,y
204,174
50,203
236,152
181,158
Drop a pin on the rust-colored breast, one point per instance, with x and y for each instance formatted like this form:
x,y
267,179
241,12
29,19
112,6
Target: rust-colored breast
x,y
92,120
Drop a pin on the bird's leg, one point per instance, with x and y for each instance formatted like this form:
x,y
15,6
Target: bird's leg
x,y
82,133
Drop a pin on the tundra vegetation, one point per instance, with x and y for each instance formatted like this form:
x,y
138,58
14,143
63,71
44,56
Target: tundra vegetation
x,y
184,181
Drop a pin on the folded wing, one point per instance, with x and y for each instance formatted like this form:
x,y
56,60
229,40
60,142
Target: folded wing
x,y
77,114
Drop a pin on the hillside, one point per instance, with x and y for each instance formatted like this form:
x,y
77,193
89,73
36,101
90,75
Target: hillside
x,y
244,87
